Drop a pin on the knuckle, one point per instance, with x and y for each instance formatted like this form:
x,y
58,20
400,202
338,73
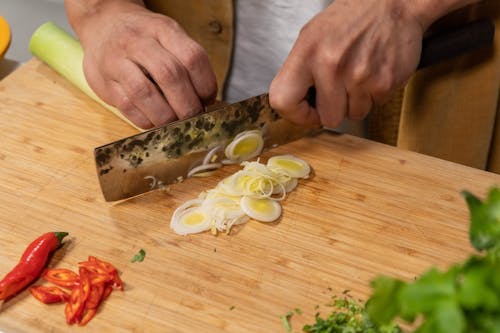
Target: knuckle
x,y
169,73
360,73
194,56
124,104
278,100
384,85
138,89
332,60
209,89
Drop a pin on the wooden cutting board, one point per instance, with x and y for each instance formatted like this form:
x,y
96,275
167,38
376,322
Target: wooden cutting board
x,y
369,209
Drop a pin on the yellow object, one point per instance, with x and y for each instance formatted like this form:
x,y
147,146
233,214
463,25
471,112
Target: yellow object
x,y
4,36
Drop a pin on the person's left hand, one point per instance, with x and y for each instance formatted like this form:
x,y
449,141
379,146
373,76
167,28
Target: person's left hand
x,y
356,53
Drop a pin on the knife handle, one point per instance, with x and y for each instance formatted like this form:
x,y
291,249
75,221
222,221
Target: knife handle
x,y
446,45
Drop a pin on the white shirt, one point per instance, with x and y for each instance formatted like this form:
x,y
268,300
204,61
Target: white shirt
x,y
265,32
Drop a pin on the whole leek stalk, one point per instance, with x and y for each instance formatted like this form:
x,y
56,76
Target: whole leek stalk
x,y
63,53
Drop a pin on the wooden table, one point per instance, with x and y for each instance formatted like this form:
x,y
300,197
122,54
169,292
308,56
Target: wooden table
x,y
370,209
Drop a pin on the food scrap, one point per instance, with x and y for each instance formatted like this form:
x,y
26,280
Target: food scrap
x,y
82,292
31,264
139,256
285,320
253,192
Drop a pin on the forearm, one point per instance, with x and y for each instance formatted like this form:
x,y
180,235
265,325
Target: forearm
x,y
428,11
79,12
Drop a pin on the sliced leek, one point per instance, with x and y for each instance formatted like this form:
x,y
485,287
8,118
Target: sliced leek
x,y
246,145
253,192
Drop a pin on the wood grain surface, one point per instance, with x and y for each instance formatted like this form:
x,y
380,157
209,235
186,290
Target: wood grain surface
x,y
369,209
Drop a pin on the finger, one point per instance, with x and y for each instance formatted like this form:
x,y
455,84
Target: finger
x,y
360,104
144,95
331,99
111,93
197,63
172,78
126,107
380,84
288,91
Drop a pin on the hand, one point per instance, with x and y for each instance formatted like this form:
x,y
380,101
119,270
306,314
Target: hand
x,y
142,62
356,53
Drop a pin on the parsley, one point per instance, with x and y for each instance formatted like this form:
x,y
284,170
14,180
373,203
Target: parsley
x,y
139,256
463,298
347,315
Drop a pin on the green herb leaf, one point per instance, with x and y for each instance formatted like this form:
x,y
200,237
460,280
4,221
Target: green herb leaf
x,y
139,256
383,306
485,220
423,295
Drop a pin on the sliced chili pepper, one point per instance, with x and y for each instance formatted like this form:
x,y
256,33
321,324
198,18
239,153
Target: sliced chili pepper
x,y
112,271
93,284
97,274
61,277
85,283
79,295
74,306
88,314
107,291
49,294
103,268
31,264
95,297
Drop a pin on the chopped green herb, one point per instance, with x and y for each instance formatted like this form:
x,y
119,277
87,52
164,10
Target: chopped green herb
x,y
139,256
347,315
298,311
285,319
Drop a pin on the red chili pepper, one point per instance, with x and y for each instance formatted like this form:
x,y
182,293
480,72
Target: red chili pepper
x,y
31,264
49,294
61,277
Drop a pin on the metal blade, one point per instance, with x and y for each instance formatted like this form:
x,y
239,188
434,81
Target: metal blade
x,y
162,156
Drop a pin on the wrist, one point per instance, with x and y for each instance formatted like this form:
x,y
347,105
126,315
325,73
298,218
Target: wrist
x,y
81,13
428,11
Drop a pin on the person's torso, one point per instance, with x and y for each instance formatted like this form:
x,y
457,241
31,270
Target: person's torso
x,y
247,43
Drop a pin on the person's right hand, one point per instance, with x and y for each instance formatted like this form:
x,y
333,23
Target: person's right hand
x,y
143,63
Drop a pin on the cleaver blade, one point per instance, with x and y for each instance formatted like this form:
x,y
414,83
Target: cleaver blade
x,y
161,156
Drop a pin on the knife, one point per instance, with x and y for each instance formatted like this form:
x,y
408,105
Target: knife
x,y
161,156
